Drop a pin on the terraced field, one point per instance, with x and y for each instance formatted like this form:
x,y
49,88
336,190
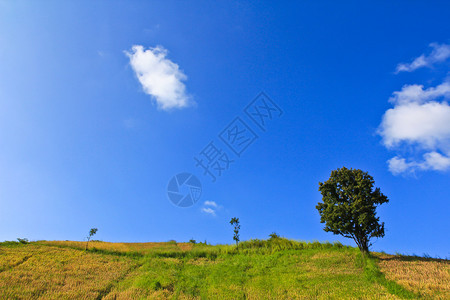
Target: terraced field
x,y
271,269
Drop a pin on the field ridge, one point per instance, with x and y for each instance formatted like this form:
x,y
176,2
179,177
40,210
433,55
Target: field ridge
x,y
256,269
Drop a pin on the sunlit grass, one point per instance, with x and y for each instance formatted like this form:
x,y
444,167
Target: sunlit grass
x,y
278,269
257,269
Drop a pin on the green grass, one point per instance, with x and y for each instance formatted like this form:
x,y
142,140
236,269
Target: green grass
x,y
373,273
274,269
258,269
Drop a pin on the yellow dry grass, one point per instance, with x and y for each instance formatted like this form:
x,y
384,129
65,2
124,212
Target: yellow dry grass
x,y
9,260
122,247
58,273
427,277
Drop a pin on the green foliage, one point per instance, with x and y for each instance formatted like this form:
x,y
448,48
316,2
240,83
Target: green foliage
x,y
237,227
23,241
205,243
155,285
10,244
349,206
271,246
133,254
92,232
274,236
192,241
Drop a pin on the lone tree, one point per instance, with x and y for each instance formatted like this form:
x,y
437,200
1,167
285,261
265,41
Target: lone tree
x,y
235,222
349,204
91,234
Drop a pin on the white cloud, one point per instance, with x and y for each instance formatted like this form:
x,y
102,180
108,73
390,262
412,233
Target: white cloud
x,y
427,125
436,161
210,207
208,211
398,165
160,77
439,54
419,120
210,203
431,161
415,93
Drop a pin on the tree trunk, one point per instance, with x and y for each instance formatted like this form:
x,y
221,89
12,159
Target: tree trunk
x,y
363,244
364,249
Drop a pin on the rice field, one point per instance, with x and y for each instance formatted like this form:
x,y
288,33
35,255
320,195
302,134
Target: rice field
x,y
269,269
42,272
428,277
142,248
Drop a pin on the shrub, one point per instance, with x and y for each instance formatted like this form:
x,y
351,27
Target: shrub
x,y
23,241
274,236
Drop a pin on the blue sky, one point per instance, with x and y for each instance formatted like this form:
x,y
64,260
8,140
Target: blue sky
x,y
92,129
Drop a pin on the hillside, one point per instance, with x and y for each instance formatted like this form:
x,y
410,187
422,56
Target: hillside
x,y
272,269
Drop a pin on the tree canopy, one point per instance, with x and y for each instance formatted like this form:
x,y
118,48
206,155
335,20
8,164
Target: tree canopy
x,y
349,206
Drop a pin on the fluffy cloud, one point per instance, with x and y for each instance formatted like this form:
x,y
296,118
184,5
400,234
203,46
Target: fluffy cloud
x,y
210,207
419,120
415,93
208,210
431,161
439,54
210,203
160,77
398,165
426,124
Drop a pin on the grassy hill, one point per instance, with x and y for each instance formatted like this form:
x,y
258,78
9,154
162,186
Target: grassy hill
x,y
271,269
